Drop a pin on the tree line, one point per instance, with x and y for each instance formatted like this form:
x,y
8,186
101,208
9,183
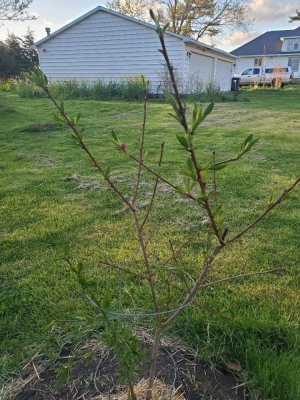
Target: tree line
x,y
193,18
17,55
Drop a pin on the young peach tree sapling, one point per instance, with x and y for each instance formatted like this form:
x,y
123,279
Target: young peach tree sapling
x,y
195,187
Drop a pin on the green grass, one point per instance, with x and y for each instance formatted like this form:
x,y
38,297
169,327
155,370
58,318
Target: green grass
x,y
254,322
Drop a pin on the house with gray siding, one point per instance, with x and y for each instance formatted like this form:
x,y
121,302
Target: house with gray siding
x,y
109,46
270,50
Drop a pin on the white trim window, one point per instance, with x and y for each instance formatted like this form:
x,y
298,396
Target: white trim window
x,y
294,63
293,44
258,62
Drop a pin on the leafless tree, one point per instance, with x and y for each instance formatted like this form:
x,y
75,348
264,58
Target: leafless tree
x,y
133,8
15,10
193,18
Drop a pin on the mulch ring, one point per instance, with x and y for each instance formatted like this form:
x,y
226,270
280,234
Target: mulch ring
x,y
90,374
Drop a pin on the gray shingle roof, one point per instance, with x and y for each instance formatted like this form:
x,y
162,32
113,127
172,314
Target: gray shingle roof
x,y
268,43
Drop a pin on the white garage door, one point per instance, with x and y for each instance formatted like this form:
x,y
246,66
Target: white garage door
x,y
224,74
201,70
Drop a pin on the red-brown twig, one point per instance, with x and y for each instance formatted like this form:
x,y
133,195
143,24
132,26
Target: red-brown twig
x,y
267,210
183,121
87,150
215,178
241,276
122,269
142,149
155,187
162,178
194,290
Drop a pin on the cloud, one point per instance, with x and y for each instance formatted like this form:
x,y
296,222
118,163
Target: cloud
x,y
49,24
270,10
237,38
35,14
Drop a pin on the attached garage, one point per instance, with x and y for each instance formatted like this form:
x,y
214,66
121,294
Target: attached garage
x,y
201,67
205,65
108,46
223,70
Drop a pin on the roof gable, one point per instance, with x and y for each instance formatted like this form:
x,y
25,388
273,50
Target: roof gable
x,y
134,20
266,44
94,11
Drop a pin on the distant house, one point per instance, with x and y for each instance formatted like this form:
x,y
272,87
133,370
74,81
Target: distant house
x,y
272,49
109,46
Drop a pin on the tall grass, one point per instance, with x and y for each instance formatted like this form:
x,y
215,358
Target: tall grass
x,y
127,89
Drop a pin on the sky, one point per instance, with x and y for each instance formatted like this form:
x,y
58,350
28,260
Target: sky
x,y
267,15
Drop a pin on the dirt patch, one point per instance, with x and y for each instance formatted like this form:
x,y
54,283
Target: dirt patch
x,y
91,375
85,183
42,160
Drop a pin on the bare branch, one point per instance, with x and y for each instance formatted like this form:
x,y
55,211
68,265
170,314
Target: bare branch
x,y
183,122
163,179
267,210
215,178
146,262
190,298
142,149
15,10
241,276
87,150
126,270
155,187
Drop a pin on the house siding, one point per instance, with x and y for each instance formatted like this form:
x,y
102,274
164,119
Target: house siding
x,y
268,62
108,47
223,69
206,66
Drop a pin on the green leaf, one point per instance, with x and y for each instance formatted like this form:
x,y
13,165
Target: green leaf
x,y
173,116
272,198
218,217
38,78
62,104
189,170
171,100
217,167
77,118
246,141
189,184
207,111
197,114
152,15
59,117
180,190
247,145
115,137
106,172
183,140
189,164
251,144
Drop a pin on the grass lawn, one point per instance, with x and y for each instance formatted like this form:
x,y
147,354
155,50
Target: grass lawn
x,y
44,212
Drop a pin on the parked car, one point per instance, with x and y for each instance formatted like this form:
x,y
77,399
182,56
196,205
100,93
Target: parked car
x,y
277,76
